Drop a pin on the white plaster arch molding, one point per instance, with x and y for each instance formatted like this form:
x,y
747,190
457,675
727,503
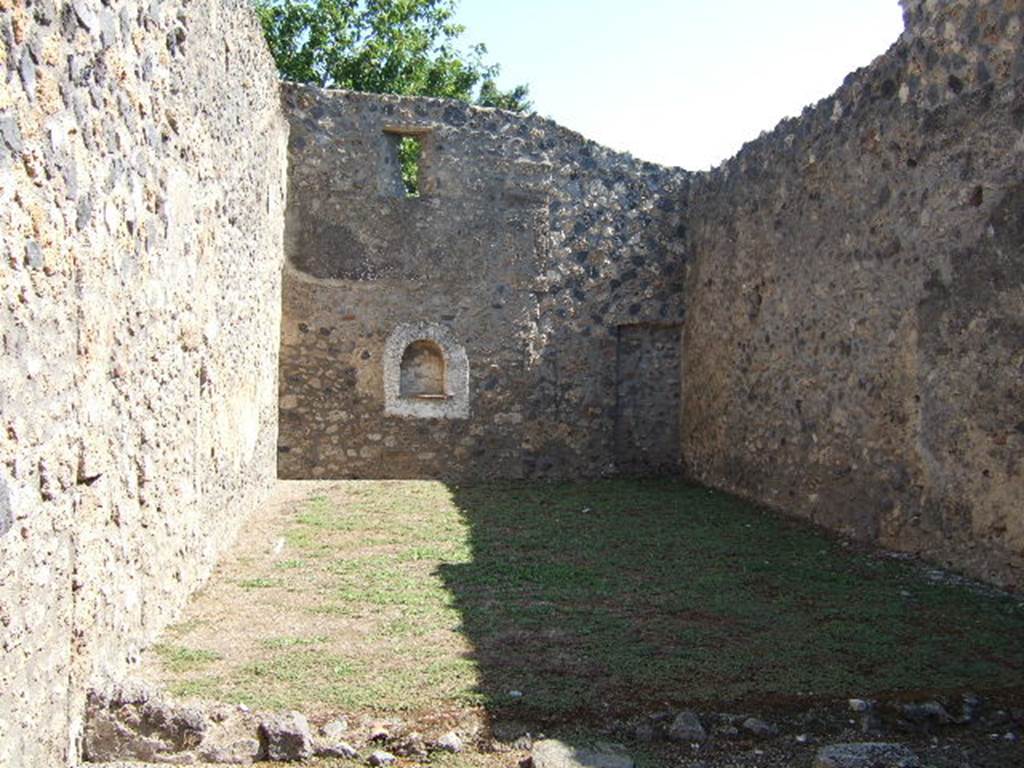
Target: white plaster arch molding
x,y
454,404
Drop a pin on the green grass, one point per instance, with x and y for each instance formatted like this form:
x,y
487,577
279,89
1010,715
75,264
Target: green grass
x,y
259,583
397,596
182,660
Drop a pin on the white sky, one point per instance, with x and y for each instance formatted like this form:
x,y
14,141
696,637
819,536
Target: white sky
x,y
683,82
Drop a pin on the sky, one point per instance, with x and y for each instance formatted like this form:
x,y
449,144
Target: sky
x,y
678,82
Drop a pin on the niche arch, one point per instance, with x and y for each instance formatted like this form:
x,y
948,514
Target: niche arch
x,y
426,373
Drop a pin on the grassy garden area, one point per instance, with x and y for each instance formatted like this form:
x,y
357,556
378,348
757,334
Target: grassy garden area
x,y
560,602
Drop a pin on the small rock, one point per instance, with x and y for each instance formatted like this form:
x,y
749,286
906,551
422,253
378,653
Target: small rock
x,y
241,752
515,694
379,732
551,753
508,731
645,732
337,749
411,745
335,730
729,731
381,758
970,709
133,722
861,705
759,727
687,727
929,712
999,717
287,736
870,755
803,738
450,742
1010,736
870,722
523,743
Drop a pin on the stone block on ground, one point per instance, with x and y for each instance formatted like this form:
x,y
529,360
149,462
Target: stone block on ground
x,y
335,730
132,722
450,742
551,753
286,736
340,749
687,727
868,755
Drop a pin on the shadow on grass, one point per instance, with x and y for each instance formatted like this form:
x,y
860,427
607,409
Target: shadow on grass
x,y
622,597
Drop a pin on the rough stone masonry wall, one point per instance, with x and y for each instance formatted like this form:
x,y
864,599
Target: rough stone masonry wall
x,y
854,347
142,161
529,247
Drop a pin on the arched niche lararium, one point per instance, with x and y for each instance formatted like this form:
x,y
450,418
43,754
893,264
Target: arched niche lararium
x,y
426,373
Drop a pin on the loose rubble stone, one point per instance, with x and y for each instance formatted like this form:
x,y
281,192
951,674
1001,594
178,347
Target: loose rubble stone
x,y
868,755
133,722
287,736
450,742
509,730
410,745
551,753
335,730
687,727
241,752
926,713
759,727
970,709
645,732
381,758
336,749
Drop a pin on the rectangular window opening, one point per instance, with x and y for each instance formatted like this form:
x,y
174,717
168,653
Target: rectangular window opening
x,y
410,151
402,170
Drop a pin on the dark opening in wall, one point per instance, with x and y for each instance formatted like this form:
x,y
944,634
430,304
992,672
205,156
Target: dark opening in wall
x,y
422,371
403,163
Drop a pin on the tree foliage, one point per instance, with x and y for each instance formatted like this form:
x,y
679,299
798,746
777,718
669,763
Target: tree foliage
x,y
408,47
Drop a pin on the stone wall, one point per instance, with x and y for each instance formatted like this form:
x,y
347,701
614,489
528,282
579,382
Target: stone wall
x,y
142,157
854,344
527,250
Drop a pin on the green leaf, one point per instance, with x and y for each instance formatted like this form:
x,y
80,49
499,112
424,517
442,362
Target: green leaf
x,y
407,47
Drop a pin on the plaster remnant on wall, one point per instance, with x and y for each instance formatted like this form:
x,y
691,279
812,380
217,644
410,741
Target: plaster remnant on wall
x,y
453,402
